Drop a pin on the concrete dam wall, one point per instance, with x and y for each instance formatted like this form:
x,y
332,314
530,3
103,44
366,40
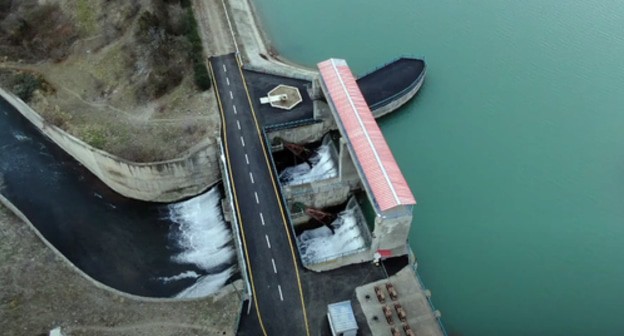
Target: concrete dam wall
x,y
163,181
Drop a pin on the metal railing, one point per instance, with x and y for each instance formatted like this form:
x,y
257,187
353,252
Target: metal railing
x,y
291,124
279,191
241,260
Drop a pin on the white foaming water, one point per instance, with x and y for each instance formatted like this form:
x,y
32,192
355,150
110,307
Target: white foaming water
x,y
204,238
323,167
320,244
183,275
207,284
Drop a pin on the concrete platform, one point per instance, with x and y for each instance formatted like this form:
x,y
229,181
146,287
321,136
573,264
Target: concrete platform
x,y
321,289
411,296
259,84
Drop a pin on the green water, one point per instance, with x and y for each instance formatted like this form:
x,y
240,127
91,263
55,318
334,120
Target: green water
x,y
514,149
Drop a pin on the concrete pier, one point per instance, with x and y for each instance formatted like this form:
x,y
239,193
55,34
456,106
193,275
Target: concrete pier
x,y
412,299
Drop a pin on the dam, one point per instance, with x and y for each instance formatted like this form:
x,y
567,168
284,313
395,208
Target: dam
x,y
200,254
312,215
282,251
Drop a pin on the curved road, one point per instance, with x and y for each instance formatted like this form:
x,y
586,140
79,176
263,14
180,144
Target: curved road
x,y
266,235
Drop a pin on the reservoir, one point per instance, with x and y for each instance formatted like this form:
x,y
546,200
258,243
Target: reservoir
x,y
514,149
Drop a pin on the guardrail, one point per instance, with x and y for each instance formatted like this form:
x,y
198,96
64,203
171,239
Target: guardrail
x,y
227,187
291,124
279,191
284,72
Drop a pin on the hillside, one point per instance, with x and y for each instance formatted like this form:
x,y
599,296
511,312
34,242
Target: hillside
x,y
125,76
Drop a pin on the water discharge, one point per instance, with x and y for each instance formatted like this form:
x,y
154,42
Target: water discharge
x,y
323,167
207,284
201,232
204,240
142,248
320,244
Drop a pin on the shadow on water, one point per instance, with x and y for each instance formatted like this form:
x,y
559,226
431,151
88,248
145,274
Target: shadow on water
x,y
126,244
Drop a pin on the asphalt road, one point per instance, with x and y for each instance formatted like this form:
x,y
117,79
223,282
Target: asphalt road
x,y
270,252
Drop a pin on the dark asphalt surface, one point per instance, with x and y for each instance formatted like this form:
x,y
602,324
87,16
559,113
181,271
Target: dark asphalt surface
x,y
259,84
390,79
277,290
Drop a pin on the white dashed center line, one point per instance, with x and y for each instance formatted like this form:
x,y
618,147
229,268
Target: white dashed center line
x,y
257,199
268,242
224,68
246,158
251,177
274,268
234,107
262,219
242,141
227,80
279,288
231,95
238,124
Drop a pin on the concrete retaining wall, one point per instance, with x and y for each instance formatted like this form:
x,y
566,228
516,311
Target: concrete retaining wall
x,y
164,181
300,135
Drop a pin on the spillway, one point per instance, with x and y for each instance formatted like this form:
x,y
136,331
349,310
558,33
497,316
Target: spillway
x,y
142,248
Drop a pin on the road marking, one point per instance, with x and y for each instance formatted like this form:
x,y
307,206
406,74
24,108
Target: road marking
x,y
242,141
238,124
268,242
279,288
246,158
224,68
262,219
234,107
251,177
257,199
227,80
290,244
242,229
274,268
231,95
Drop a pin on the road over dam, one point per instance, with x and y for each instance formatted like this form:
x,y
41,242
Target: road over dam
x,y
268,246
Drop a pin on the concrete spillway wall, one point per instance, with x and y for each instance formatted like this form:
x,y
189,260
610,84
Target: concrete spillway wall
x,y
163,181
400,99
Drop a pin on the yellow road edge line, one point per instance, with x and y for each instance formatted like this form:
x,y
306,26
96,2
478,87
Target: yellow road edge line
x,y
240,220
279,200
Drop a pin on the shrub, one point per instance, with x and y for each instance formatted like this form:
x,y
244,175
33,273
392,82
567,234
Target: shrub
x,y
202,78
94,135
24,85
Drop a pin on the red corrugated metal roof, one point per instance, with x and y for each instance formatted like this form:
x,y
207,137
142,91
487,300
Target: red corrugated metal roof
x,y
376,162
